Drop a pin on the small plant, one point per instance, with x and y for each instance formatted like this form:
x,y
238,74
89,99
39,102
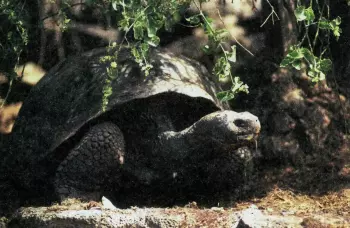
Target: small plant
x,y
317,66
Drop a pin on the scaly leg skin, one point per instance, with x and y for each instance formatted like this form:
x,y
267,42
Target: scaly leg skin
x,y
95,161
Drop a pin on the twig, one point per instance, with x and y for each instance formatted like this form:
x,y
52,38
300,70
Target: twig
x,y
273,12
8,93
222,21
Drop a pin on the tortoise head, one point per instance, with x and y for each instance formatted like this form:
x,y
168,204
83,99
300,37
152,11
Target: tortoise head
x,y
228,127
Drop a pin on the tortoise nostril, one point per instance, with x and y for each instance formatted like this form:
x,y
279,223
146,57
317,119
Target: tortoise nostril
x,y
240,123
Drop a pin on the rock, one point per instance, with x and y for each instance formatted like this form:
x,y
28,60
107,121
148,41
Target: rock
x,y
137,217
252,217
107,204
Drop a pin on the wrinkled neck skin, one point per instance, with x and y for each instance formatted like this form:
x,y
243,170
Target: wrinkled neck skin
x,y
190,141
176,145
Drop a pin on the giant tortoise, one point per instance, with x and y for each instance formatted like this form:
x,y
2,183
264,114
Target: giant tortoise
x,y
165,129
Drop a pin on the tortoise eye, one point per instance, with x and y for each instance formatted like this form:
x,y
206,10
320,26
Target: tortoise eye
x,y
240,123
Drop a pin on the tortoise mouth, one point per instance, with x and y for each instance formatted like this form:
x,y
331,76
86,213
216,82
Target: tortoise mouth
x,y
248,137
243,140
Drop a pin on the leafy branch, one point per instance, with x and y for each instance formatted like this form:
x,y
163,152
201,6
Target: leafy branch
x,y
317,66
145,18
222,67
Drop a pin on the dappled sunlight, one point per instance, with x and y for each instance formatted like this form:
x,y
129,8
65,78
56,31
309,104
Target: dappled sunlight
x,y
29,73
244,9
8,114
294,96
226,16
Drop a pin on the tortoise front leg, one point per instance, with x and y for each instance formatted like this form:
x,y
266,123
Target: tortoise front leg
x,y
89,167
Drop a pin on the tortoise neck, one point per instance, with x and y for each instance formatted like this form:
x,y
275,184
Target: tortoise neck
x,y
178,145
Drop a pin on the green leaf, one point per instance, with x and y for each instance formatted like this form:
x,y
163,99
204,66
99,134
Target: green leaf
x,y
312,73
231,56
324,24
310,16
221,95
322,76
115,6
220,34
153,25
325,65
135,52
225,96
331,25
239,86
124,24
297,64
302,14
222,68
151,30
194,20
113,64
337,20
154,41
336,32
296,54
308,55
286,62
138,31
144,48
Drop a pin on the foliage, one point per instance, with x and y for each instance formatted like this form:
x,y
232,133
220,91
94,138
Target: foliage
x,y
222,67
145,19
317,66
112,72
142,20
13,38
